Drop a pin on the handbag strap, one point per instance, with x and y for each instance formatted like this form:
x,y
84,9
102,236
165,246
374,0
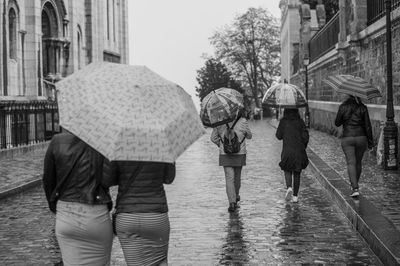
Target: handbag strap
x,y
228,127
130,182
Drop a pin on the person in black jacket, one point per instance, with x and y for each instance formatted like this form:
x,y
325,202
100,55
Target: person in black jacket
x,y
141,221
76,179
357,136
292,130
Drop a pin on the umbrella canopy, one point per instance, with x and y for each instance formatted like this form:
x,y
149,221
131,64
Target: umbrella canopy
x,y
220,107
128,112
352,85
284,95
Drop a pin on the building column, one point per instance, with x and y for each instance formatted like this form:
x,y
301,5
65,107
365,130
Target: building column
x,y
305,32
321,14
342,38
359,22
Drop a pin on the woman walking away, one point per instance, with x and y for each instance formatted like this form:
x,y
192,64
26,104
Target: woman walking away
x,y
142,222
357,136
232,158
292,130
76,180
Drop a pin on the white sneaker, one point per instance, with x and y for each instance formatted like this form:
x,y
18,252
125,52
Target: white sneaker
x,y
355,193
289,193
295,199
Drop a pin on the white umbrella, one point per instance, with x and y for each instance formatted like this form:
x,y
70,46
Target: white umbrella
x,y
284,95
128,112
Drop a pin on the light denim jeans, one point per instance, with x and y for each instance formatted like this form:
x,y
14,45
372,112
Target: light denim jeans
x,y
84,233
233,180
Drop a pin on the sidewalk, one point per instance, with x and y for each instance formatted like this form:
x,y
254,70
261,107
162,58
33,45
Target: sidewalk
x,y
20,171
376,215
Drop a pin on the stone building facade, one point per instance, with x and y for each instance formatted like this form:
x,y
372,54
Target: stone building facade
x,y
357,36
43,41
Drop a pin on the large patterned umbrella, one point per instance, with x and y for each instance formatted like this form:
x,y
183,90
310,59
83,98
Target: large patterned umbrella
x,y
284,95
128,112
220,107
352,85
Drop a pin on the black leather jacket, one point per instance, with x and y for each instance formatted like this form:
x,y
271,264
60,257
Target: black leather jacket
x,y
70,159
355,120
145,193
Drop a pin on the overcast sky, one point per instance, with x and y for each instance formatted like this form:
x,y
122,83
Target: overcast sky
x,y
170,36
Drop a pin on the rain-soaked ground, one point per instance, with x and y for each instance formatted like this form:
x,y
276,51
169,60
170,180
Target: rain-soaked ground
x,y
265,230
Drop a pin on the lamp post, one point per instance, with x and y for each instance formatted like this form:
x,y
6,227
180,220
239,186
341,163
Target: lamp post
x,y
306,61
390,133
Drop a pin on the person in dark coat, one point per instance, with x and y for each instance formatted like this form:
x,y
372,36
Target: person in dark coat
x,y
292,130
357,136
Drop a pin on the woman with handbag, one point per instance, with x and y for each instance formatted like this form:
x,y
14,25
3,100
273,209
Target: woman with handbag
x,y
232,160
76,181
141,212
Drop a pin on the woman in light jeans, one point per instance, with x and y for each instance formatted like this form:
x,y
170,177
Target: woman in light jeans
x,y
233,163
76,183
357,136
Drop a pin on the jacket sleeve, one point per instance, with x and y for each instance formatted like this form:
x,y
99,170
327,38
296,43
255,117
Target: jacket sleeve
x,y
50,175
215,137
109,174
368,129
279,131
339,117
169,173
247,131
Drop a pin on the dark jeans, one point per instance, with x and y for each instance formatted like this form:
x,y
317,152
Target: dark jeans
x,y
296,179
354,148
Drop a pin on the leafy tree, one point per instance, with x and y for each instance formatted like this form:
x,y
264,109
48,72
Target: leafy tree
x,y
212,76
250,48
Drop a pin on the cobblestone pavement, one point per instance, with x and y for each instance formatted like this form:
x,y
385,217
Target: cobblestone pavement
x,y
21,169
377,185
266,230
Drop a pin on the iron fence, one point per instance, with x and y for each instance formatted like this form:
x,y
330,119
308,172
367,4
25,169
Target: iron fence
x,y
24,123
376,9
325,39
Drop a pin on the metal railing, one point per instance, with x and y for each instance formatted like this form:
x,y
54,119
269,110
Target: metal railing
x,y
376,9
24,123
325,39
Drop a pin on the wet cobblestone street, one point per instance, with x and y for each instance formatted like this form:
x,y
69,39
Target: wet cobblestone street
x,y
265,230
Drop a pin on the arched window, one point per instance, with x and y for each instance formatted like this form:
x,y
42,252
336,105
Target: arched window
x,y
50,49
12,32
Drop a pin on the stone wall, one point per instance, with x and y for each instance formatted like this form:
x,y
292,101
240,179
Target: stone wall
x,y
367,60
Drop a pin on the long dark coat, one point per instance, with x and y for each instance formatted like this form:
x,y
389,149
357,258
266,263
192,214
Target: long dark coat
x,y
294,134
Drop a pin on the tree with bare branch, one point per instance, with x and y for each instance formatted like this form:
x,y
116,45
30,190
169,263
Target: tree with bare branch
x,y
250,48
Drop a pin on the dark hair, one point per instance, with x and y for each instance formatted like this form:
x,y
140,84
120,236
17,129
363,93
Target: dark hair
x,y
290,112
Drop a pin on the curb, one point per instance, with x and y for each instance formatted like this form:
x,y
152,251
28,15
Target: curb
x,y
21,188
378,231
